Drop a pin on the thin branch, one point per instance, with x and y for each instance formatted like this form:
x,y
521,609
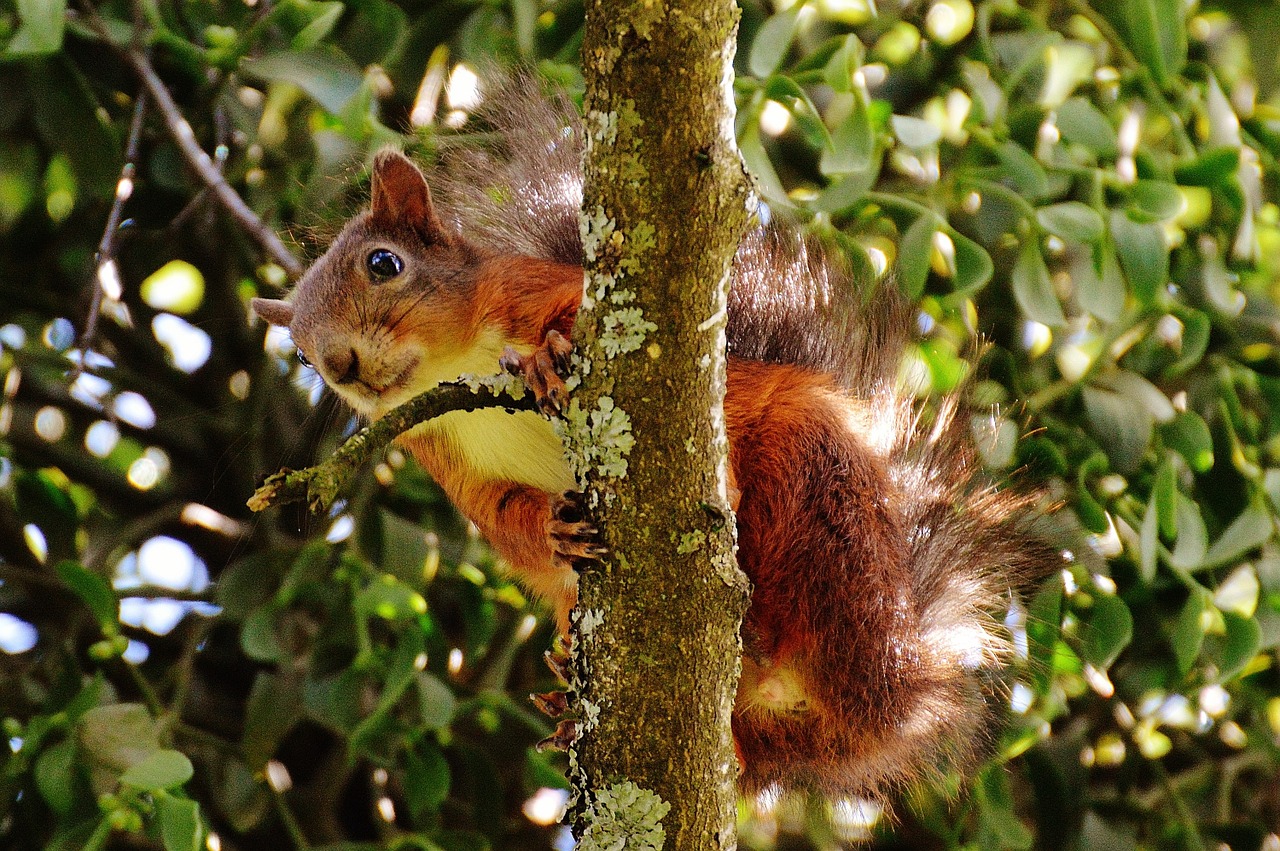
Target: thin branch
x,y
195,156
106,271
320,485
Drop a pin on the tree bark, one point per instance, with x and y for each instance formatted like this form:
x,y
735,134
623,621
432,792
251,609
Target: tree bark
x,y
656,634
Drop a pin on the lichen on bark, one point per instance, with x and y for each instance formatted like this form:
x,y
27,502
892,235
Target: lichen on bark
x,y
656,639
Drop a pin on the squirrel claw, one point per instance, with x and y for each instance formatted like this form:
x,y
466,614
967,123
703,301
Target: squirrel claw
x,y
573,539
558,662
565,735
542,369
552,703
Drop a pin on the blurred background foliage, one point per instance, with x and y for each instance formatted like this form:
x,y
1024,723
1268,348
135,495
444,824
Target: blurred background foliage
x,y
1090,186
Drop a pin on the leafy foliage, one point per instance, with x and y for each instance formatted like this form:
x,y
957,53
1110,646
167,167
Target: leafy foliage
x,y
1090,186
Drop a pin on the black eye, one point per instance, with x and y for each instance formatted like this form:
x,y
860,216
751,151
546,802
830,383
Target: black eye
x,y
302,359
384,265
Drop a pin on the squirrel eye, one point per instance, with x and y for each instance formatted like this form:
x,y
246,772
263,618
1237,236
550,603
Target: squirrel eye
x,y
302,359
384,265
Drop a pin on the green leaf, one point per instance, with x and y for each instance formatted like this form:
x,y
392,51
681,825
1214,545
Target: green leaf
x,y
94,591
1149,541
758,163
322,18
1032,288
40,31
436,700
1189,436
274,706
914,252
1143,255
1100,286
774,40
1157,34
1121,427
1211,168
163,769
1165,494
1081,123
259,638
1188,553
853,143
1110,631
1250,530
1072,220
405,547
1023,171
1155,200
915,133
1241,644
843,64
325,74
70,119
55,773
1187,632
180,827
973,264
426,779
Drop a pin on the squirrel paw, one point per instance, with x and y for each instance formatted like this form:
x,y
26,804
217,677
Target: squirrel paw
x,y
542,369
565,735
573,540
558,661
553,704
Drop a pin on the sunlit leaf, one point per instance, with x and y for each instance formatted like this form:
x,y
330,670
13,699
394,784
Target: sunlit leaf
x,y
1143,255
1186,632
1081,123
177,287
328,76
1110,629
1033,289
180,827
774,40
913,255
163,769
1072,221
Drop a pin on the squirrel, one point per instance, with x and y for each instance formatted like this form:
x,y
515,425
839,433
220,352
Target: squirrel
x,y
880,555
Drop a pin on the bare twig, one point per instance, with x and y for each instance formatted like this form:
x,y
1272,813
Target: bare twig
x,y
321,484
195,156
106,271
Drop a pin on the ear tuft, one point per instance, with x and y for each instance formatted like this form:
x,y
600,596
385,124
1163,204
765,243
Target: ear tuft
x,y
273,310
400,194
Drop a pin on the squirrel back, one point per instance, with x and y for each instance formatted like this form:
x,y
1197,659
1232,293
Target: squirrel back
x,y
882,557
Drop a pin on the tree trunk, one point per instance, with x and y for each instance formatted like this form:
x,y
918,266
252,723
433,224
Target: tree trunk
x,y
656,635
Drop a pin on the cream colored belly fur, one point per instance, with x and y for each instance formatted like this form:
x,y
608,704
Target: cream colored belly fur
x,y
520,447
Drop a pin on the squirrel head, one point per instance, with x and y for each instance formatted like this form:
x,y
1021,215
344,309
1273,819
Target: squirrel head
x,y
391,303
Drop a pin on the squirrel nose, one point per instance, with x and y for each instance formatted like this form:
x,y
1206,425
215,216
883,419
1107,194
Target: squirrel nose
x,y
344,366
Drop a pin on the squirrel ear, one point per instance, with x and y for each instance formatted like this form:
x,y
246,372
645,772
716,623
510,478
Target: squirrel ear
x,y
275,311
400,193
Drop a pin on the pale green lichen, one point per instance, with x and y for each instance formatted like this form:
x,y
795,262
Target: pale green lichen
x,y
596,229
596,441
601,126
624,817
588,620
691,542
641,239
590,715
503,382
623,331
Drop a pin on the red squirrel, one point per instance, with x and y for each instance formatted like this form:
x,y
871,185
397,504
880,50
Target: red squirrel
x,y
881,558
